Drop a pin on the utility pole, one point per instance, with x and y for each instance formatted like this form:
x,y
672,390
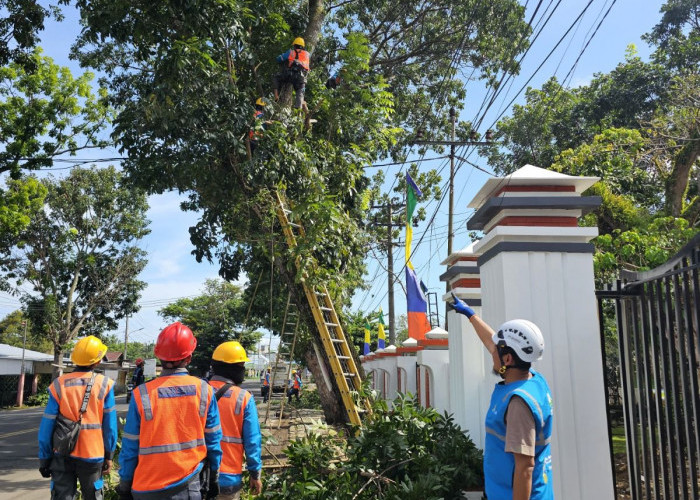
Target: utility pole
x,y
390,225
126,336
453,144
20,385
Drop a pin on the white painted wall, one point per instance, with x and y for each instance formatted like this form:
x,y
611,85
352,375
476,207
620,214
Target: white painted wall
x,y
556,291
437,361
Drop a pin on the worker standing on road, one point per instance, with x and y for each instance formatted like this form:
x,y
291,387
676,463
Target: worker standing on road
x,y
91,458
138,378
265,388
239,421
295,386
295,67
517,456
171,428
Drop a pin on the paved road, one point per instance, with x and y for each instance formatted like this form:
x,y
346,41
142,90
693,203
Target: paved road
x,y
19,475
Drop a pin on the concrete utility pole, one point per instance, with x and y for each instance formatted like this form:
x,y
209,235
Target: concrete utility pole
x,y
20,385
126,336
452,143
390,225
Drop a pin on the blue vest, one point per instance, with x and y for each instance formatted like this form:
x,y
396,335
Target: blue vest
x,y
499,466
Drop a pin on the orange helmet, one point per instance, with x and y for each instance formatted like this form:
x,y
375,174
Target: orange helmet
x,y
175,342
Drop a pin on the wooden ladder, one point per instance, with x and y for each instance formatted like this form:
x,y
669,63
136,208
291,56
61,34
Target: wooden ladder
x,y
335,344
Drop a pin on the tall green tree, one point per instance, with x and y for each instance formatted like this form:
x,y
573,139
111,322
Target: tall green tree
x,y
184,76
45,113
12,332
216,316
76,265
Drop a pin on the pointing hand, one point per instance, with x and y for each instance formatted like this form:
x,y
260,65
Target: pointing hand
x,y
461,307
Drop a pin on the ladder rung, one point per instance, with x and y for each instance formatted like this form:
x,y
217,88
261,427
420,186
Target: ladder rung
x,y
338,341
343,357
294,224
332,324
321,294
325,309
349,374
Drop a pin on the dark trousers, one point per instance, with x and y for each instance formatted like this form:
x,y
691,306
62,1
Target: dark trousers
x,y
265,392
296,79
292,392
189,491
65,474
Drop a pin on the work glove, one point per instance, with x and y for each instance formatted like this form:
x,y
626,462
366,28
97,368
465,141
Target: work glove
x,y
214,490
461,307
45,468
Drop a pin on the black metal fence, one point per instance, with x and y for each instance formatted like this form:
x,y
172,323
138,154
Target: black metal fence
x,y
656,315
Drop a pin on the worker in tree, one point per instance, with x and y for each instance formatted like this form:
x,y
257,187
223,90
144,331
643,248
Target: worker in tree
x,y
86,398
265,387
171,428
258,123
335,80
517,455
294,386
239,422
295,67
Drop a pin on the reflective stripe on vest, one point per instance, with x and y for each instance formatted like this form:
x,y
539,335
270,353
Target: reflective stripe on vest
x,y
300,58
499,465
173,413
68,390
231,411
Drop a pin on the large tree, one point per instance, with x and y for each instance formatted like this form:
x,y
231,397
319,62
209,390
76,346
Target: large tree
x,y
184,76
217,315
77,263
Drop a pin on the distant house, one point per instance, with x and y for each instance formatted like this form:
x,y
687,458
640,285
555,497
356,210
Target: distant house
x,y
34,362
114,357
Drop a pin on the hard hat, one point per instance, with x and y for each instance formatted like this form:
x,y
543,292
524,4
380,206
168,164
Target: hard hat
x,y
88,351
299,41
523,336
260,102
138,361
294,372
175,342
230,352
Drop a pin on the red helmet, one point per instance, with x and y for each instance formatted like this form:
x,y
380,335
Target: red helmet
x,y
175,342
138,361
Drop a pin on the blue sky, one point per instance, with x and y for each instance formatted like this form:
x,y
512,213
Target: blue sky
x,y
172,271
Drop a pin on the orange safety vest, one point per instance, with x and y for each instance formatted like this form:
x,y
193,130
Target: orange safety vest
x,y
266,382
231,411
173,411
252,134
296,382
300,57
69,390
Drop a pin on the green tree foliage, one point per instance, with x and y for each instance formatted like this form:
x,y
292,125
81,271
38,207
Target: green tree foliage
x,y
133,349
18,204
76,264
215,316
45,112
184,77
423,455
677,36
21,22
12,330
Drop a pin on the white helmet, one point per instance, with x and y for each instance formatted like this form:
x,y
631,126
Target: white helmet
x,y
524,337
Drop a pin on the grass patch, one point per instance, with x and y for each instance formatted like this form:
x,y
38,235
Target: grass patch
x,y
619,441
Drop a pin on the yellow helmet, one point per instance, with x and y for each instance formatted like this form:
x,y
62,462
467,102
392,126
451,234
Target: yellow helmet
x,y
294,372
88,351
230,352
259,102
299,41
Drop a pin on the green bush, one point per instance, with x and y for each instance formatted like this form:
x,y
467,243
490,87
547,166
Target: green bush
x,y
38,399
406,452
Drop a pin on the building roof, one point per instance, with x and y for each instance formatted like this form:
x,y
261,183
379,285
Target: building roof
x,y
113,356
12,352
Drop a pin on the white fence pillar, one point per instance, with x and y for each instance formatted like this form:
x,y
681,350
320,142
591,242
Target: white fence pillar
x,y
536,263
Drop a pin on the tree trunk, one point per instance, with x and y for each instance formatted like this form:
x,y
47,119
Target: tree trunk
x,y
678,181
57,370
332,409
